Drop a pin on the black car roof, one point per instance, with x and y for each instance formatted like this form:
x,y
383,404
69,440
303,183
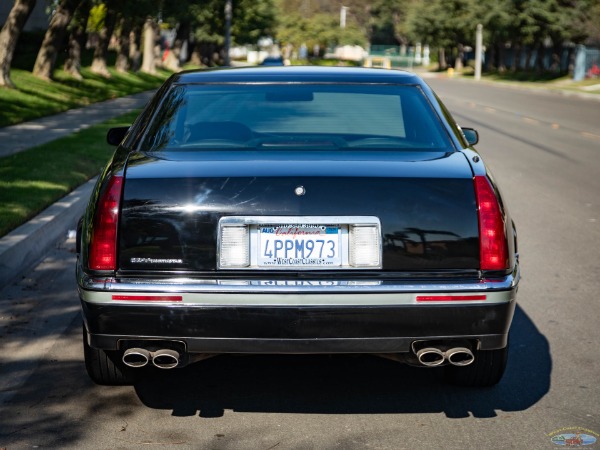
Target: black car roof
x,y
297,74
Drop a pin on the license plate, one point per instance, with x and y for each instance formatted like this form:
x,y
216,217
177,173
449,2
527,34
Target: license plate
x,y
303,245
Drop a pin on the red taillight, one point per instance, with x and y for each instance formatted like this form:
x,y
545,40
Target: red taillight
x,y
149,298
451,298
493,249
103,245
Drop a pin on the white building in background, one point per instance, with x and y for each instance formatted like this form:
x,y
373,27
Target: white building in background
x,y
38,20
349,53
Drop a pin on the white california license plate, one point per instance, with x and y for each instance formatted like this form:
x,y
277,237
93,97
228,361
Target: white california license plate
x,y
303,245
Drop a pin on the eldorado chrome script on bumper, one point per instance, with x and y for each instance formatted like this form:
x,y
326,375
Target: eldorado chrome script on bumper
x,y
294,292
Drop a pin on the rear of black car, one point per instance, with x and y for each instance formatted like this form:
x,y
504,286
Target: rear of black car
x,y
296,211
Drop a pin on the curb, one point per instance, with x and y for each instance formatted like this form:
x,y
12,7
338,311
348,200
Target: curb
x,y
24,247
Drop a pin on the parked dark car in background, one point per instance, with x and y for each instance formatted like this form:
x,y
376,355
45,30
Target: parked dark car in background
x,y
272,61
296,210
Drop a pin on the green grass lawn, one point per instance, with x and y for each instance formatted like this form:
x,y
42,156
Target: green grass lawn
x,y
32,180
36,98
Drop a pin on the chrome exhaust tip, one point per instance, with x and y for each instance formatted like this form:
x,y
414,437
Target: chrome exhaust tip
x,y
165,359
136,357
431,356
460,356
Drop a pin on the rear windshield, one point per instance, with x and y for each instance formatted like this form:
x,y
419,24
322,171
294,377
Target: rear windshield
x,y
296,116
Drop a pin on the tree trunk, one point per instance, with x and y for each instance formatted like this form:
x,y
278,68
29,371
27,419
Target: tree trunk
x,y
460,56
134,48
501,57
516,58
491,59
122,64
528,57
442,58
99,64
10,35
539,60
557,49
181,42
196,58
571,61
210,53
148,65
53,39
77,39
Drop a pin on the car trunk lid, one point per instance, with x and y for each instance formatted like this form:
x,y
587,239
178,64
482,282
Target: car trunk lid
x,y
171,208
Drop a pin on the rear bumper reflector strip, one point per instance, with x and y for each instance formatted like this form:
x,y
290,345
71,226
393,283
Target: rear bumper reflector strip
x,y
450,298
148,298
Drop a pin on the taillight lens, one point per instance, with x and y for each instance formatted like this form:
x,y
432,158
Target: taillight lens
x,y
103,245
364,246
493,249
235,251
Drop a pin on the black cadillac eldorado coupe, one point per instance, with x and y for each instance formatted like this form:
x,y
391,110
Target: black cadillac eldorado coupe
x,y
296,210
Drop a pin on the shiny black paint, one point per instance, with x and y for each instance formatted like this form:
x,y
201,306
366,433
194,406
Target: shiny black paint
x,y
427,210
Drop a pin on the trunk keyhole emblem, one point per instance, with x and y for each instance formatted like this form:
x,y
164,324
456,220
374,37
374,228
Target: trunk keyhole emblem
x,y
300,191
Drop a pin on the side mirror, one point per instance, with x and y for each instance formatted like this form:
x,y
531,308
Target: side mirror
x,y
116,135
471,135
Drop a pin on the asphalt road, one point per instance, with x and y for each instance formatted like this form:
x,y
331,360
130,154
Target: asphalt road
x,y
545,152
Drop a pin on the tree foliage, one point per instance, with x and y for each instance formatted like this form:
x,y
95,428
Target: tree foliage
x,y
317,23
514,24
534,26
529,28
103,22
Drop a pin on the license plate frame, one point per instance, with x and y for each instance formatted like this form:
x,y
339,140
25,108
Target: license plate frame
x,y
299,246
254,222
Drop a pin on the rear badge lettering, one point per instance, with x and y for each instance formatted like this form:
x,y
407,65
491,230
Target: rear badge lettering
x,y
155,261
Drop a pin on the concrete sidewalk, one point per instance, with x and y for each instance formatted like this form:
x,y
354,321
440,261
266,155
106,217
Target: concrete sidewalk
x,y
16,138
24,247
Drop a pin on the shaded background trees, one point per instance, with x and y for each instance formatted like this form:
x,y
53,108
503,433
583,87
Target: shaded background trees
x,y
75,25
531,30
518,34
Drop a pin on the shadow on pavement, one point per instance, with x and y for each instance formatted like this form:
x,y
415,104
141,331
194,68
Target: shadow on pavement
x,y
343,384
59,406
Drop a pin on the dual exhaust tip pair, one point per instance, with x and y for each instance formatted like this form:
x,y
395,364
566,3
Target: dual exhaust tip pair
x,y
436,356
427,356
140,357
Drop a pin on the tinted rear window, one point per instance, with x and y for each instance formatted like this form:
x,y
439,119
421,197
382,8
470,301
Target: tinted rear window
x,y
285,116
